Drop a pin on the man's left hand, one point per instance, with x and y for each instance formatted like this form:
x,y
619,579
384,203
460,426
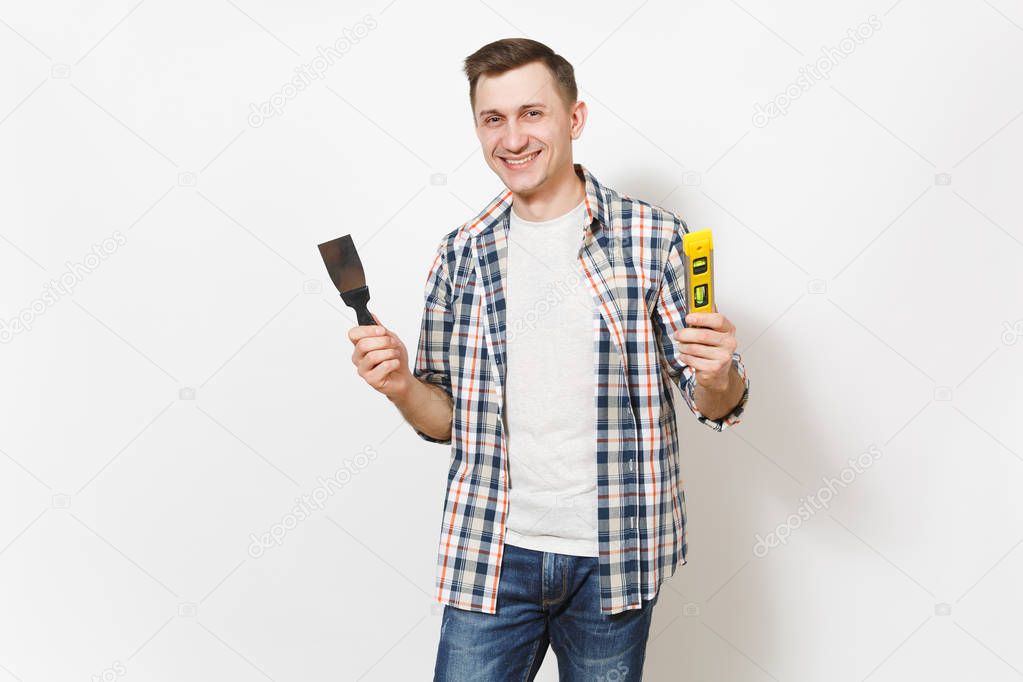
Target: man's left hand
x,y
706,345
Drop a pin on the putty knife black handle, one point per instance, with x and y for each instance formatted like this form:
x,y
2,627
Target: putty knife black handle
x,y
358,298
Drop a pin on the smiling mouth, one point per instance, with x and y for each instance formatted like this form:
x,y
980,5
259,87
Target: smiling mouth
x,y
523,163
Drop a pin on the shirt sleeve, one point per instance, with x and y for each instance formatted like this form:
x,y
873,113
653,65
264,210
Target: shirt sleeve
x,y
431,364
670,310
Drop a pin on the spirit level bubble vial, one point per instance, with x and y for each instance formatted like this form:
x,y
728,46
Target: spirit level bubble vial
x,y
698,259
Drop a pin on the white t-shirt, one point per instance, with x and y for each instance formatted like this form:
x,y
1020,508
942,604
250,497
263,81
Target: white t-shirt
x,y
549,410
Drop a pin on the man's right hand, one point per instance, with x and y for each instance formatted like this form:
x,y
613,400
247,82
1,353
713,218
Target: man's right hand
x,y
381,359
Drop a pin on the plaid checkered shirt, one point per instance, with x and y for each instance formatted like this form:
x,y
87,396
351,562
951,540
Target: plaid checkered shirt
x,y
631,260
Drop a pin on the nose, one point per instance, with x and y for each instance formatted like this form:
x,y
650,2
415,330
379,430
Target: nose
x,y
515,138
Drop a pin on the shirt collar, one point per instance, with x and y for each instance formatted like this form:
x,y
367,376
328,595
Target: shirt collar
x,y
596,208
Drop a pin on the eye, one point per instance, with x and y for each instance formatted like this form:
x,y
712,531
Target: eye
x,y
534,111
491,119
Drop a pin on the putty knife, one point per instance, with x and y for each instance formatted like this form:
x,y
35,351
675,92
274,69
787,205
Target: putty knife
x,y
345,270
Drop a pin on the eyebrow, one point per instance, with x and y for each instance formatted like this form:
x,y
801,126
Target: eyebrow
x,y
535,105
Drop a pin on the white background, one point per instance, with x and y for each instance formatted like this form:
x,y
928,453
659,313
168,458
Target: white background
x,y
198,378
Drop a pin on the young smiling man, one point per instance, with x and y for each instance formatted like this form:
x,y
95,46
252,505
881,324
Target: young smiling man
x,y
554,323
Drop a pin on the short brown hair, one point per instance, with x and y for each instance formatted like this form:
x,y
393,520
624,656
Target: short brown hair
x,y
506,54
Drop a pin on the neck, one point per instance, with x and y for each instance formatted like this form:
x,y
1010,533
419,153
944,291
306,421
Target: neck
x,y
558,196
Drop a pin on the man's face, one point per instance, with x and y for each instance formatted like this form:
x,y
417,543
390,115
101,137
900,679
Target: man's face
x,y
520,115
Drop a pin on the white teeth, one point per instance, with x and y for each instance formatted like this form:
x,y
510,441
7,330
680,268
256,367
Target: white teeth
x,y
525,160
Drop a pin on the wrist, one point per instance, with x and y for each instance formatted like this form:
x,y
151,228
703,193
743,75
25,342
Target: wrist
x,y
403,391
723,384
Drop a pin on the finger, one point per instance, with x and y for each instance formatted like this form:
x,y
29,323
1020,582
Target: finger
x,y
362,348
700,351
699,364
369,343
378,374
383,330
370,359
707,337
375,357
364,330
708,320
695,337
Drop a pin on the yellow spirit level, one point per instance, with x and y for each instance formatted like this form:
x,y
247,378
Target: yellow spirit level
x,y
698,257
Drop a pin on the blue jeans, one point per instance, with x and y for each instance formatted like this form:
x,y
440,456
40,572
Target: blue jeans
x,y
543,598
